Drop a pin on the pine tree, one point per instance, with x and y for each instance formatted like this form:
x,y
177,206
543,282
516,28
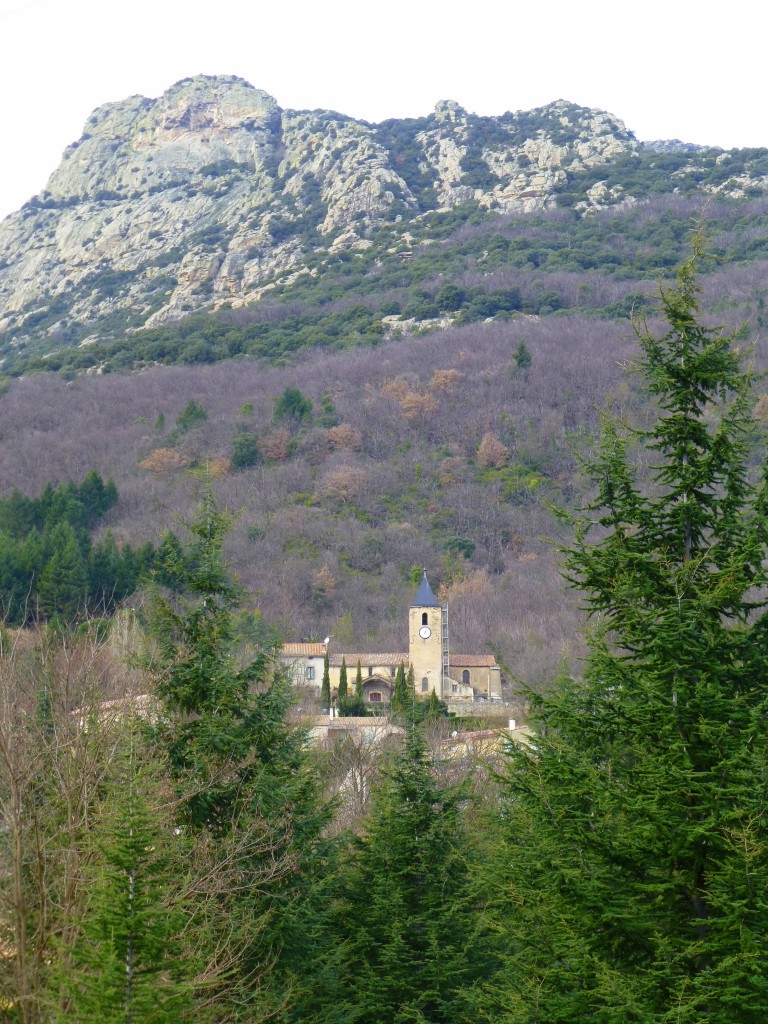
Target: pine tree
x,y
637,843
522,357
64,579
126,964
409,947
245,790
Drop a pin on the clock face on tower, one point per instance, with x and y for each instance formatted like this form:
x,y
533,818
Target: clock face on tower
x,y
425,632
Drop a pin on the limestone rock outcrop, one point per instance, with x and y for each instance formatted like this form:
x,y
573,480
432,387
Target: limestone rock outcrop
x,y
206,194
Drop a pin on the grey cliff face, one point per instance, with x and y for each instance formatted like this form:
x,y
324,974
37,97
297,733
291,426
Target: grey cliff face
x,y
204,195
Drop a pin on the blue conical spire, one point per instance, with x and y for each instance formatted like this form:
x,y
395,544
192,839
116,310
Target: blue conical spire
x,y
424,596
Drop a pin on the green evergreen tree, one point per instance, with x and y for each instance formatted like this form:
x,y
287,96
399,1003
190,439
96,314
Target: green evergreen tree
x,y
635,824
522,357
244,786
192,414
325,686
343,680
126,965
245,450
64,579
292,405
409,947
351,704
401,702
434,709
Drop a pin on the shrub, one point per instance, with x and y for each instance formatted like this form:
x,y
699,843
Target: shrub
x,y
275,445
192,414
492,453
245,450
345,436
292,405
163,460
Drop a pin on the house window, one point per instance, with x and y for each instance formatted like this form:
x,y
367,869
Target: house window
x,y
310,671
454,687
370,671
465,677
424,619
424,684
375,697
392,671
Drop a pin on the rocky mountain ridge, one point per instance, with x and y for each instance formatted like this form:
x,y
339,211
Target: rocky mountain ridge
x,y
209,194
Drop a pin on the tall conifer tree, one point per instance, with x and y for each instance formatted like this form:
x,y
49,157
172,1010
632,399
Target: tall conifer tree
x,y
343,680
325,686
401,703
126,964
409,943
245,789
637,841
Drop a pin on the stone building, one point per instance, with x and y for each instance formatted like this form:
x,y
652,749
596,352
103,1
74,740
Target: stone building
x,y
453,677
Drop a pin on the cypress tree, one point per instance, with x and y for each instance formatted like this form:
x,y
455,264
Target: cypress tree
x,y
359,683
401,703
343,680
434,709
325,687
637,842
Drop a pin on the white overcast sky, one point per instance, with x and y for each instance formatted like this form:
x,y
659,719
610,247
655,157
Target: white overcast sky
x,y
667,69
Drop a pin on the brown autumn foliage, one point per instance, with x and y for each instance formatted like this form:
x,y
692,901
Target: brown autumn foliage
x,y
163,460
492,453
396,388
274,445
417,405
445,380
345,483
219,465
345,436
452,469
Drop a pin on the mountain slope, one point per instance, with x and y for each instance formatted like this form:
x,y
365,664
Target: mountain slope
x,y
210,192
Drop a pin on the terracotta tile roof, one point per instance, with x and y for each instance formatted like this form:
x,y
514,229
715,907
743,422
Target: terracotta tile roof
x,y
368,659
303,650
341,722
472,661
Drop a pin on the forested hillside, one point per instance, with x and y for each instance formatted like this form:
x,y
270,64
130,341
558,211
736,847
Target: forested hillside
x,y
387,345
173,848
356,451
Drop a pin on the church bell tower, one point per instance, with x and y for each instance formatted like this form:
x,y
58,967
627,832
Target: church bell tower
x,y
426,640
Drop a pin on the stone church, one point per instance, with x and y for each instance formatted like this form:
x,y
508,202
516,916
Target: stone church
x,y
453,677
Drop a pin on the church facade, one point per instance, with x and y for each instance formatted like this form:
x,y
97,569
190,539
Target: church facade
x,y
453,677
